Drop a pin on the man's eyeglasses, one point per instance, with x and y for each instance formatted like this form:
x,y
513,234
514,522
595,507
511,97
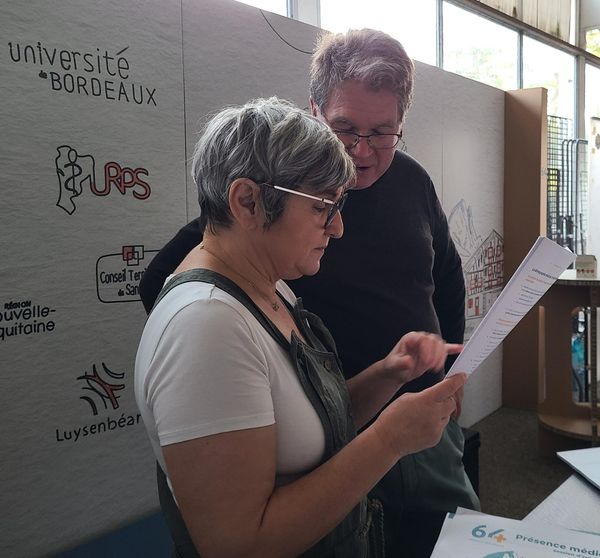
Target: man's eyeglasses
x,y
375,141
335,205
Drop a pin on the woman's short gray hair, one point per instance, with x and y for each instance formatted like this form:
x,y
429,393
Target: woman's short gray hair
x,y
365,55
271,141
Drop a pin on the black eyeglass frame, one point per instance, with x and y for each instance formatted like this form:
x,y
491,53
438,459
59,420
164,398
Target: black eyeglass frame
x,y
335,205
357,138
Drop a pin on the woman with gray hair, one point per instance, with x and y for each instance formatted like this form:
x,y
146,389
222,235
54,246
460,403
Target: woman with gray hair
x,y
240,388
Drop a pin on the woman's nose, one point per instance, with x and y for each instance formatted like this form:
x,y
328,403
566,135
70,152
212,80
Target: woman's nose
x,y
335,229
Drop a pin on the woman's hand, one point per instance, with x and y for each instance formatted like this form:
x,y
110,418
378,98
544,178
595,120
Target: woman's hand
x,y
416,421
416,353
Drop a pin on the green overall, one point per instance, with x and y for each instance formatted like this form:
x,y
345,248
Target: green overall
x,y
360,534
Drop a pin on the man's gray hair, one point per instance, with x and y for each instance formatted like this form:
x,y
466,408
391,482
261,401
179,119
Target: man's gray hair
x,y
270,141
364,55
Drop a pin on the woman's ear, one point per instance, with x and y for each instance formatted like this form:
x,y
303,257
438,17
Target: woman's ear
x,y
244,203
314,109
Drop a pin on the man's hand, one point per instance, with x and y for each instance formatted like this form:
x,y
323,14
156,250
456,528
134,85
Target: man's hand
x,y
416,353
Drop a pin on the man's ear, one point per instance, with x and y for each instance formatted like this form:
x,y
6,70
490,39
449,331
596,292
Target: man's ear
x,y
314,109
244,203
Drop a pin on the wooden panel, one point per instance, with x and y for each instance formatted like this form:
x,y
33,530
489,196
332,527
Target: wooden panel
x,y
525,161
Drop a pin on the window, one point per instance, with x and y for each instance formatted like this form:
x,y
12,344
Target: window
x,y
479,49
592,41
412,23
546,66
488,49
592,98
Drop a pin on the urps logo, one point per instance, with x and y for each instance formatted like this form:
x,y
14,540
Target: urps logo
x,y
76,172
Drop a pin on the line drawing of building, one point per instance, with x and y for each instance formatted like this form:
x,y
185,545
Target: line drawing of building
x,y
483,264
484,276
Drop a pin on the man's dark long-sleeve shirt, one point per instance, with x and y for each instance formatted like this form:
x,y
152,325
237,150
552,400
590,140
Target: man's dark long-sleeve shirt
x,y
395,270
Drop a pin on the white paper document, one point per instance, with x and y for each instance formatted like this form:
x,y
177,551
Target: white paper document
x,y
575,504
469,534
586,462
537,273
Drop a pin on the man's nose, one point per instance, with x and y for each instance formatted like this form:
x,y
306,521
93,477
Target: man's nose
x,y
361,148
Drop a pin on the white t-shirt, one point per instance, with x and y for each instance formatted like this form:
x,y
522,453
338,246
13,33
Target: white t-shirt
x,y
205,366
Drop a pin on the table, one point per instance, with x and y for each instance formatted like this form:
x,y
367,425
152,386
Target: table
x,y
575,504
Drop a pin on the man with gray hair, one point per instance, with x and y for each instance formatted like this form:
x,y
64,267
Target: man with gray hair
x,y
396,268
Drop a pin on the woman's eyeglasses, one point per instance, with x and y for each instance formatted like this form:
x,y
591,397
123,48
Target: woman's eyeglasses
x,y
335,205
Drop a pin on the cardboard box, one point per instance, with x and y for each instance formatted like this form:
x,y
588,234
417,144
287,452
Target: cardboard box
x,y
586,267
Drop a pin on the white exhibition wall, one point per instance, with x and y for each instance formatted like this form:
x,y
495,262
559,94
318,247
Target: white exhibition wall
x,y
101,102
92,165
456,130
